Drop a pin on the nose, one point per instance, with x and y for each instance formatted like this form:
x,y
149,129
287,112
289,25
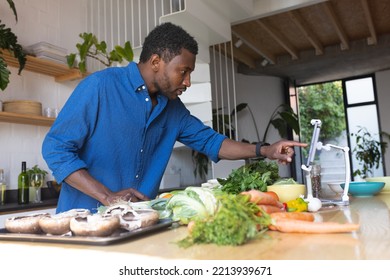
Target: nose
x,y
187,80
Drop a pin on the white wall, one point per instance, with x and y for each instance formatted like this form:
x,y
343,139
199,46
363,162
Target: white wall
x,y
263,95
57,22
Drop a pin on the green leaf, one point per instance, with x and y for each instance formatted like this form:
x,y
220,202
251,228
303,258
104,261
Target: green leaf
x,y
4,74
8,41
281,126
83,49
71,59
82,66
129,53
291,119
36,169
103,46
13,8
239,108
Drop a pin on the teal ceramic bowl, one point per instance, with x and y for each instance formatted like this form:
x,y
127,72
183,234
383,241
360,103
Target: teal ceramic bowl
x,y
364,188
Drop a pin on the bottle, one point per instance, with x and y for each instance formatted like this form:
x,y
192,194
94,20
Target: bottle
x,y
3,187
23,185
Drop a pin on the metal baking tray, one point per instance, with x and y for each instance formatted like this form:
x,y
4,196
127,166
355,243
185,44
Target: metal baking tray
x,y
118,236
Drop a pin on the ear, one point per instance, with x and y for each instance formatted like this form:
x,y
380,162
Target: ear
x,y
155,61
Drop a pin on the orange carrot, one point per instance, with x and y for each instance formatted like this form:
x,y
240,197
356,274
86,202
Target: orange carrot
x,y
269,209
260,197
298,226
303,216
274,194
190,226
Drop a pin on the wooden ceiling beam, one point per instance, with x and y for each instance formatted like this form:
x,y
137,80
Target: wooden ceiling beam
x,y
279,37
328,8
237,55
251,44
373,39
296,17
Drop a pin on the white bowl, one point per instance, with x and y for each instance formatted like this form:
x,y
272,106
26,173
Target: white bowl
x,y
335,187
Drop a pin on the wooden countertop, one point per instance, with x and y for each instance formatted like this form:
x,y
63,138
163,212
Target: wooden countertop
x,y
371,242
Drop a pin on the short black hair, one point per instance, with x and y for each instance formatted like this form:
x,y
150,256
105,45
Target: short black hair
x,y
167,40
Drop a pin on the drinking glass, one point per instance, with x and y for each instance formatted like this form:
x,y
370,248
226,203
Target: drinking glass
x,y
36,181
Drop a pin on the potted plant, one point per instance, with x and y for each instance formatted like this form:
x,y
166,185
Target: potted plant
x,y
36,170
368,151
91,47
9,42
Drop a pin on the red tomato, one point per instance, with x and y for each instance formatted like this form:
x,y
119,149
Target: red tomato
x,y
273,194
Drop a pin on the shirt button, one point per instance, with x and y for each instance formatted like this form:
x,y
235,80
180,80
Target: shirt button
x,y
143,87
142,150
146,99
136,176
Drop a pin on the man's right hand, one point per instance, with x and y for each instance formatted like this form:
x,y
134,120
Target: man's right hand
x,y
129,194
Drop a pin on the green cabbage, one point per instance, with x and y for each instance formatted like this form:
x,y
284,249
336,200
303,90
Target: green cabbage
x,y
192,202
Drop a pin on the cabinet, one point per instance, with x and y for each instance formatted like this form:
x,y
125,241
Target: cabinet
x,y
60,72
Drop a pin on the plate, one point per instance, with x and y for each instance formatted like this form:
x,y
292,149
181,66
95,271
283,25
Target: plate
x,y
118,236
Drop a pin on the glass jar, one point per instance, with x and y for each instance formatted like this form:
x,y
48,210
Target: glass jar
x,y
316,180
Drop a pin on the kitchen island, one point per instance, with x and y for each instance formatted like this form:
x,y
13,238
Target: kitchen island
x,y
371,242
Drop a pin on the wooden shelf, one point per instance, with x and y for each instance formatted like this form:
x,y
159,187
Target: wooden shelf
x,y
25,119
60,72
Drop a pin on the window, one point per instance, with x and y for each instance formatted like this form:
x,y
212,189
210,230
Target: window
x,y
345,108
362,116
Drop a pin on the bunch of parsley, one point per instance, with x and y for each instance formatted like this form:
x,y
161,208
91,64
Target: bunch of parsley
x,y
235,222
257,175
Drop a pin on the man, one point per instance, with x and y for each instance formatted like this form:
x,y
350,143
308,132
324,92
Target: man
x,y
114,136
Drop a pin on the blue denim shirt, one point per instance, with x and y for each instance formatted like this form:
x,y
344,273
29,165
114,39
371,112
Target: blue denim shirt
x,y
108,126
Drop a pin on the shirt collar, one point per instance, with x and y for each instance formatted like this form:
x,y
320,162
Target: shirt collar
x,y
135,77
